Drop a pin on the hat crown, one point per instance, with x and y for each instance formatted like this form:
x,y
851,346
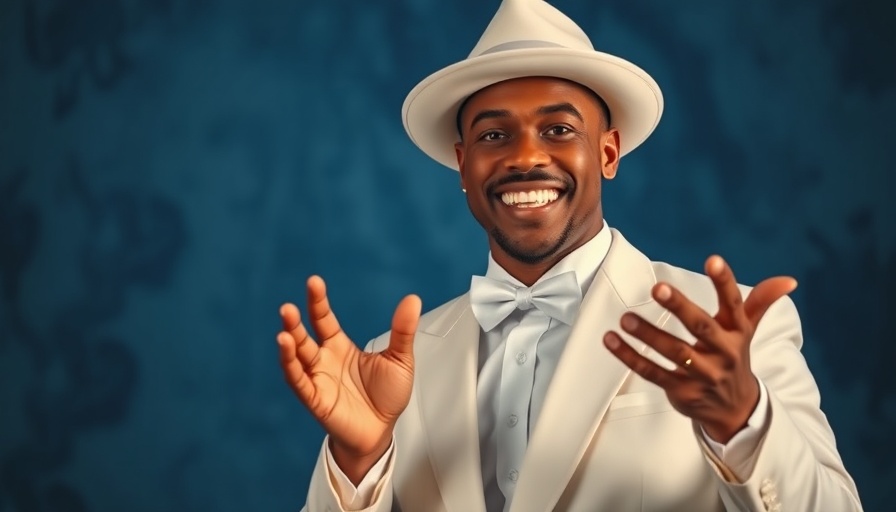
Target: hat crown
x,y
530,38
530,24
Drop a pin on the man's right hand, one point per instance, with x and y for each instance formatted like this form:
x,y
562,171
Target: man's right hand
x,y
356,396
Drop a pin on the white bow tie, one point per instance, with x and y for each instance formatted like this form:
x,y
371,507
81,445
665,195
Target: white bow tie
x,y
493,301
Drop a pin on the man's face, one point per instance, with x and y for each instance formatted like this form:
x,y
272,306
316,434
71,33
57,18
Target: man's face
x,y
531,158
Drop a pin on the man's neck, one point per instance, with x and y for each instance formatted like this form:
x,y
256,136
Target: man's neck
x,y
528,273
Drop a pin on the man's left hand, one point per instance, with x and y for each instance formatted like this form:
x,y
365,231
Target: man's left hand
x,y
713,383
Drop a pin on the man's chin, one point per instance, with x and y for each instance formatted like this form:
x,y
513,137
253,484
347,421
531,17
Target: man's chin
x,y
530,254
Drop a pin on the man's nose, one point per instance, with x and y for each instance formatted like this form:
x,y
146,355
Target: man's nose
x,y
528,153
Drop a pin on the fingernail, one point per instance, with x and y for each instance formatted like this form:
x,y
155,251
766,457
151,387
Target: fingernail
x,y
663,292
629,322
715,265
611,341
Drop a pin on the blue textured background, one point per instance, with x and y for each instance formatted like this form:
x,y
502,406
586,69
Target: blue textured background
x,y
171,171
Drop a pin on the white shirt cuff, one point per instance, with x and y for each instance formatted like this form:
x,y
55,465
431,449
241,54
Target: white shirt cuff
x,y
739,454
359,498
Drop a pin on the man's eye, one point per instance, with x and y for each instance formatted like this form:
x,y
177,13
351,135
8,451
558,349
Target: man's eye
x,y
558,130
491,136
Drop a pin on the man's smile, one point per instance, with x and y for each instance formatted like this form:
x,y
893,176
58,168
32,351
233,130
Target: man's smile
x,y
530,198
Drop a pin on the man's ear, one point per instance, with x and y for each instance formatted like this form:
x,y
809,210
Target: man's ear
x,y
609,153
459,153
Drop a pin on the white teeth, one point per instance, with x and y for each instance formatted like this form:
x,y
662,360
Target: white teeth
x,y
531,198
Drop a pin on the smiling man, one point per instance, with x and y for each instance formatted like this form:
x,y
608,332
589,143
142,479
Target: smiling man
x,y
576,375
531,157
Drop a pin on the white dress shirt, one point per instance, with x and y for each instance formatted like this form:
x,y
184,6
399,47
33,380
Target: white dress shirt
x,y
515,369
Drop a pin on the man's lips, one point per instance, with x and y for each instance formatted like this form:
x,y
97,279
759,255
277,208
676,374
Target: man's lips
x,y
534,189
530,197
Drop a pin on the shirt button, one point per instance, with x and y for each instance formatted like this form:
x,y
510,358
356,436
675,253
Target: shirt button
x,y
513,420
521,357
514,475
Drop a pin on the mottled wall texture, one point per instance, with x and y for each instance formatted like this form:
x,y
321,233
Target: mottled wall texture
x,y
172,170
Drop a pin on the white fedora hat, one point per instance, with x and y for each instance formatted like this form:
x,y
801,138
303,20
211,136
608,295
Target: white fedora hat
x,y
530,38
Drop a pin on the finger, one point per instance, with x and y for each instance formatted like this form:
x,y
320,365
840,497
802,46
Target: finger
x,y
323,320
290,316
731,312
404,326
305,347
671,347
638,363
293,372
694,318
764,294
288,361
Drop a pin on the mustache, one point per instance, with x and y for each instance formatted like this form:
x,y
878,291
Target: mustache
x,y
533,175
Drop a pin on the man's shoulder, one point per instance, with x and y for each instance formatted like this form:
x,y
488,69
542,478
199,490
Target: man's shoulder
x,y
431,317
696,286
429,321
699,289
679,276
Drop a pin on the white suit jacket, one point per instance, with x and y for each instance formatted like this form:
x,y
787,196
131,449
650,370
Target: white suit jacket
x,y
607,440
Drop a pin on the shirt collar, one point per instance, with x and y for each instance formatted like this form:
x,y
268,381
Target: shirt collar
x,y
584,261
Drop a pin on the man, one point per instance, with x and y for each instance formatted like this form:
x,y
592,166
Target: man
x,y
577,375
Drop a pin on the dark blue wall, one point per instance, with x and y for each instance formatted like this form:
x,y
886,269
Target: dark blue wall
x,y
171,171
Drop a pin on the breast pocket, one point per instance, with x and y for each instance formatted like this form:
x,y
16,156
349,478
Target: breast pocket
x,y
642,403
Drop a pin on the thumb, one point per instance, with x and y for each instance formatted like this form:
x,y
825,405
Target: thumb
x,y
404,326
764,294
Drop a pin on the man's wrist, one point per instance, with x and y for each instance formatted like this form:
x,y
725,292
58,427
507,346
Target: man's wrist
x,y
722,433
355,465
730,424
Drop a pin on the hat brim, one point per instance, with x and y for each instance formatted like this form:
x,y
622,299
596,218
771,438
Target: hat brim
x,y
429,112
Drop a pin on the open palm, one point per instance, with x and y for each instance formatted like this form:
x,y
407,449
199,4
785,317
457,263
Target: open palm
x,y
356,396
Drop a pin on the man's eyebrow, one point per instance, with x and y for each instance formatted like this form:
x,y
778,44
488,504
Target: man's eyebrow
x,y
542,111
560,107
489,114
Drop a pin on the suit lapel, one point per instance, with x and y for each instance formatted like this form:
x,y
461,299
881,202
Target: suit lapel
x,y
446,384
587,377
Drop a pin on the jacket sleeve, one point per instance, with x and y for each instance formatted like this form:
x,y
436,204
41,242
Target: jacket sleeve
x,y
797,463
323,496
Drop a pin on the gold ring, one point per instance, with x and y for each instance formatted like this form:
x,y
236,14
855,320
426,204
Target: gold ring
x,y
688,362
